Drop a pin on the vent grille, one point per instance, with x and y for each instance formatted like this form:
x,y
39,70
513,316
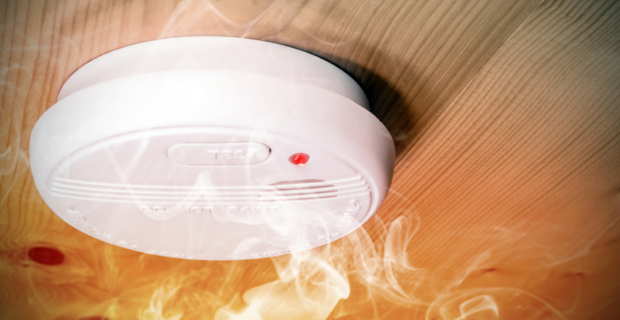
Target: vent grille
x,y
301,190
281,191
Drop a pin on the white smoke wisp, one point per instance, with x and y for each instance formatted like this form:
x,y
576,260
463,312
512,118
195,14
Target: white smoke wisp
x,y
161,296
310,285
491,303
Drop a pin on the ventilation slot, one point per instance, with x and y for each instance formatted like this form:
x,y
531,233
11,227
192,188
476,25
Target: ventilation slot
x,y
312,189
280,191
298,190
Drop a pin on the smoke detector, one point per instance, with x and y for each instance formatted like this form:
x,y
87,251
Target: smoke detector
x,y
212,148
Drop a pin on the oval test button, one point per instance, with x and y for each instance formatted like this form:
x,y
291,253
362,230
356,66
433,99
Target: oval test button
x,y
209,154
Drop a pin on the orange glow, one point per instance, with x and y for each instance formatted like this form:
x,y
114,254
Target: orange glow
x,y
505,202
366,275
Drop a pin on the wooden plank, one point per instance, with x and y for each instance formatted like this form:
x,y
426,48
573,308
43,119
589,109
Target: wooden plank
x,y
505,115
519,174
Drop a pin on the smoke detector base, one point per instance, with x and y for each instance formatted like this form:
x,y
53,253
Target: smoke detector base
x,y
212,148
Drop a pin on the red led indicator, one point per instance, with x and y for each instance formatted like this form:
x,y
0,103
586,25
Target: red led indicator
x,y
299,159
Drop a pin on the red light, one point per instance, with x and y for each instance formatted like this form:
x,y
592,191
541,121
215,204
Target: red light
x,y
299,159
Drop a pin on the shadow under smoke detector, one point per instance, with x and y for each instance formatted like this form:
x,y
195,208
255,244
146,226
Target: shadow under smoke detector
x,y
386,103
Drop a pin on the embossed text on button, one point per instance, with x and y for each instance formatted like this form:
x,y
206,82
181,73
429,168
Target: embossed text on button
x,y
207,154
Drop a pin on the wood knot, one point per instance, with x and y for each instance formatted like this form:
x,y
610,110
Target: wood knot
x,y
46,255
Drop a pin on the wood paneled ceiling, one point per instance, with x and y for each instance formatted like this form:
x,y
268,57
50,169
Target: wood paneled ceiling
x,y
505,202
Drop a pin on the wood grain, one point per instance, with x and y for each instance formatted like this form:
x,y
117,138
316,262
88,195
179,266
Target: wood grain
x,y
506,197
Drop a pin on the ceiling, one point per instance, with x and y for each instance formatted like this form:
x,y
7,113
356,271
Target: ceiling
x,y
505,201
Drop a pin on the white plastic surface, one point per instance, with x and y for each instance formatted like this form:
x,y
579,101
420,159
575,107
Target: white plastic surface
x,y
180,147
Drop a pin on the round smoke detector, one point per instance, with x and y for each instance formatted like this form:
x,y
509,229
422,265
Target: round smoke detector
x,y
212,148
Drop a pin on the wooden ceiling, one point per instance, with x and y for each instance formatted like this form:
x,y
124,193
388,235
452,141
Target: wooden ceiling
x,y
505,202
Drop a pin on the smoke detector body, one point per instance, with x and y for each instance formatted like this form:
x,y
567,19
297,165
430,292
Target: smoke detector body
x,y
212,148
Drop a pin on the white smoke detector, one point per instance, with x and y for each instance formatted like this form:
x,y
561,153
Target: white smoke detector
x,y
212,148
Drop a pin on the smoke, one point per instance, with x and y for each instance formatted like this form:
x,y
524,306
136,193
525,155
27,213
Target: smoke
x,y
311,283
358,271
491,303
159,299
309,287
367,274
